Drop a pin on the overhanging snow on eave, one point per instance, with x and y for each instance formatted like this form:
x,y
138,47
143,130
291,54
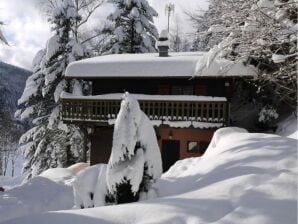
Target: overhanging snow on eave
x,y
221,67
145,97
188,77
83,77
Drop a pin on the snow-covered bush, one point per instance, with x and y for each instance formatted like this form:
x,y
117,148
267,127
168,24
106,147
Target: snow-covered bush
x,y
90,187
135,161
268,116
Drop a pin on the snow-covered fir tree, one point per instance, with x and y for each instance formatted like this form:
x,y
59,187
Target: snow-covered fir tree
x,y
132,29
50,143
135,161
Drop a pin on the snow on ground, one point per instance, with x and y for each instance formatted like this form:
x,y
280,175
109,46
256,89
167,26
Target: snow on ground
x,y
242,178
90,187
60,175
74,169
37,195
51,190
8,182
288,127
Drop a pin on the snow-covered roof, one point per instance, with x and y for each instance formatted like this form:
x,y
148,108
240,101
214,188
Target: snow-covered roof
x,y
177,65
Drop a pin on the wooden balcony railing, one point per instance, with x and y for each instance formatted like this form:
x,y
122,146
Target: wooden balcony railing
x,y
92,110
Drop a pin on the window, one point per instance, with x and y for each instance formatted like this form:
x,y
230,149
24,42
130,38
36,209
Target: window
x,y
197,146
193,146
182,90
200,90
164,89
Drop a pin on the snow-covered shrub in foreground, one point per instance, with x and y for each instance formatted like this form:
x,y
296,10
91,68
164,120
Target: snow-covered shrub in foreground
x,y
135,161
134,165
90,187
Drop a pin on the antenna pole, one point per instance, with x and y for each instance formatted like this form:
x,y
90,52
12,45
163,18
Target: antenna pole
x,y
170,8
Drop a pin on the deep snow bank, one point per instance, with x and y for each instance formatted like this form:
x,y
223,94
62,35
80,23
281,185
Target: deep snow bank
x,y
242,178
288,127
8,182
37,195
51,190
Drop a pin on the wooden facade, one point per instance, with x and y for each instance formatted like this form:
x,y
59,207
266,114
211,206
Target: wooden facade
x,y
102,139
188,142
101,110
161,86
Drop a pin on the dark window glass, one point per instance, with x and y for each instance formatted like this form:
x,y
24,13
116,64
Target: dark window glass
x,y
193,146
197,146
182,90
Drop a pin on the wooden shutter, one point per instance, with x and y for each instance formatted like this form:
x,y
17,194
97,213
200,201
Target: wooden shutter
x,y
164,89
200,90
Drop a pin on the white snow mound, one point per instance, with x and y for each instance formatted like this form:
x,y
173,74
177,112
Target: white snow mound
x,y
243,178
37,195
89,187
58,174
288,127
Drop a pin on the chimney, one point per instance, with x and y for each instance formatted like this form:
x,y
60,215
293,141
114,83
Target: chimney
x,y
163,44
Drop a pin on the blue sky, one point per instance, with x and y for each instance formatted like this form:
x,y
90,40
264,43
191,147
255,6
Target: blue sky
x,y
27,30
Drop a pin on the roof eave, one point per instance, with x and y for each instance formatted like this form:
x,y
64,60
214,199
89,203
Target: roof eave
x,y
159,77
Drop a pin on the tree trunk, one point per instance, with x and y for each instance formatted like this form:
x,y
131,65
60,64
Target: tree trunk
x,y
1,171
6,159
12,167
85,142
132,38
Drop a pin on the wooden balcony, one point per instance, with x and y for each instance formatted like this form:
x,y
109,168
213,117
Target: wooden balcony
x,y
98,110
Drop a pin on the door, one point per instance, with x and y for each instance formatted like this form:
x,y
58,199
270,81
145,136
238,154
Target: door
x,y
170,153
101,145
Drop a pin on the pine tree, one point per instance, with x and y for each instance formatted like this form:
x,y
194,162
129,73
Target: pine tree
x,y
50,142
133,30
135,162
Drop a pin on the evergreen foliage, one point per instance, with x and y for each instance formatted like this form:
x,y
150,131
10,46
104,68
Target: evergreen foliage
x,y
135,162
132,29
50,143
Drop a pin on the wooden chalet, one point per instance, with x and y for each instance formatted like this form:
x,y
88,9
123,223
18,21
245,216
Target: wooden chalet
x,y
184,107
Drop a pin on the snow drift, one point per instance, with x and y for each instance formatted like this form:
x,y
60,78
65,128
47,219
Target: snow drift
x,y
37,195
242,178
51,190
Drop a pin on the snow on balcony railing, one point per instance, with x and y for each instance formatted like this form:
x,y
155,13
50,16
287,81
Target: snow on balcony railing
x,y
164,108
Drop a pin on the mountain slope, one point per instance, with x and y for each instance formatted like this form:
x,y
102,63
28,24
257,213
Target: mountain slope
x,y
12,83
